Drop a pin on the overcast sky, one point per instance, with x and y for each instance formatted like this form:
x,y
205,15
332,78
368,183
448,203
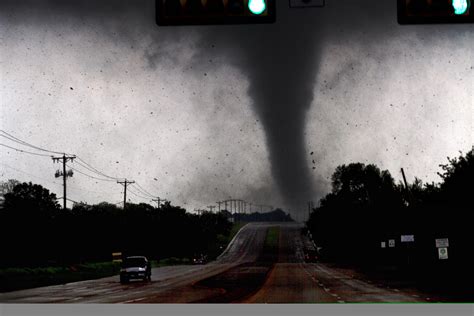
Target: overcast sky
x,y
200,114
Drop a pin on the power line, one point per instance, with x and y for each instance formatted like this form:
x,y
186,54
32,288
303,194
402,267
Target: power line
x,y
145,191
22,142
53,182
125,183
158,201
138,195
80,162
59,198
64,159
25,151
95,170
29,174
87,175
142,191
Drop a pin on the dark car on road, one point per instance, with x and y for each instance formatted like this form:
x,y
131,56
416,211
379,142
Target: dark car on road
x,y
135,267
311,255
200,259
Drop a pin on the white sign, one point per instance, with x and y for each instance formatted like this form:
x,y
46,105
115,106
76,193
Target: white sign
x,y
116,256
383,244
442,243
391,243
407,238
306,3
443,253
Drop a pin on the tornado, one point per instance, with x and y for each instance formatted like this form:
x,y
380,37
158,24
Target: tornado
x,y
280,62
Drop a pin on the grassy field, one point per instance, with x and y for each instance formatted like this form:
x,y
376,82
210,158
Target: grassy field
x,y
12,279
235,229
222,241
271,239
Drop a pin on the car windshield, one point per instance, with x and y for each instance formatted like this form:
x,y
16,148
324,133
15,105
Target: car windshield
x,y
134,262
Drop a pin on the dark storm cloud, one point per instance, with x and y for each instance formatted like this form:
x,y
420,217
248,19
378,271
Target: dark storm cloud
x,y
280,61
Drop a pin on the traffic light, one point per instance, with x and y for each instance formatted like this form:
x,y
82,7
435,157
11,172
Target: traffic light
x,y
205,12
435,11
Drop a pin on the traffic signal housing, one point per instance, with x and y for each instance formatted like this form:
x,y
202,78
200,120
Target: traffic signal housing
x,y
435,11
206,12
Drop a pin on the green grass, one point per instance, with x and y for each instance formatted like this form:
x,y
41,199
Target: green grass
x,y
170,262
12,279
222,241
271,239
235,229
269,254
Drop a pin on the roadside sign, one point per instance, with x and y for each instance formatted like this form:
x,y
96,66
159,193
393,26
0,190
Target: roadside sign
x,y
442,243
116,257
391,243
383,244
407,238
443,253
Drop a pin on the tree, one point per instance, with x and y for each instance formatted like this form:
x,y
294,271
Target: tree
x,y
360,207
364,185
457,178
31,198
28,229
7,186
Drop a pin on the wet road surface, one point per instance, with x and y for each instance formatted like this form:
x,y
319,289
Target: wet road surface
x,y
242,274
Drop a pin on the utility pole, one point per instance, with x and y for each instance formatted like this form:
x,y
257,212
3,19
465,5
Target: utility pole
x,y
125,182
211,208
404,179
158,201
409,199
310,207
65,158
219,203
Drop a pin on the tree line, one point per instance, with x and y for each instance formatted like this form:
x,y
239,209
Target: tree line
x,y
36,231
366,208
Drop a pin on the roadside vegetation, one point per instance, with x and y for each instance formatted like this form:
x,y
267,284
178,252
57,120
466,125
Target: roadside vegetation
x,y
361,221
43,244
12,279
270,246
271,239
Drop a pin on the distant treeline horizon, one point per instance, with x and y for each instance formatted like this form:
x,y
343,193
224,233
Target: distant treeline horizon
x,y
362,221
36,231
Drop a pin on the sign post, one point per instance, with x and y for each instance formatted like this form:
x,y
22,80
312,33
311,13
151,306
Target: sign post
x,y
408,239
442,244
116,257
443,253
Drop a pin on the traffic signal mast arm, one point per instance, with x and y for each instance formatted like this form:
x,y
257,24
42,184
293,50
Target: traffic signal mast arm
x,y
197,12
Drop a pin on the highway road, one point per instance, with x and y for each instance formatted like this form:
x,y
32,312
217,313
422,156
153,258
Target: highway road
x,y
244,273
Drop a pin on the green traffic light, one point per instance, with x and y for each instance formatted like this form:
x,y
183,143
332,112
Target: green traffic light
x,y
257,6
460,6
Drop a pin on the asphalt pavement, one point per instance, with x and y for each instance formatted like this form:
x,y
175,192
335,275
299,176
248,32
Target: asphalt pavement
x,y
242,274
